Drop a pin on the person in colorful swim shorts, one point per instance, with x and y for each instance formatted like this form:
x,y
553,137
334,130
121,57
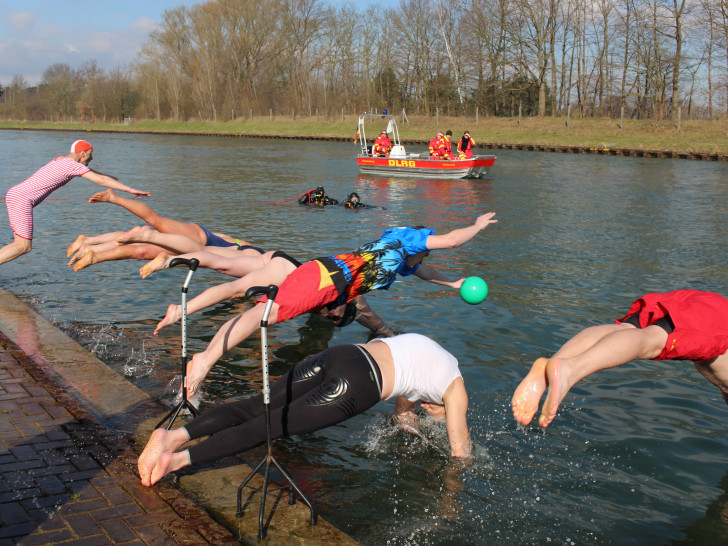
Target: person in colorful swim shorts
x,y
322,391
22,198
678,325
333,281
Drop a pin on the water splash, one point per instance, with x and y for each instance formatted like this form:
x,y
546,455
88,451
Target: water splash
x,y
138,363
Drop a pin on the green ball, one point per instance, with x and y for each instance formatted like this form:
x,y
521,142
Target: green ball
x,y
473,290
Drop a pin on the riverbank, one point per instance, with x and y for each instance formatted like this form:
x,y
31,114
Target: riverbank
x,y
693,139
71,430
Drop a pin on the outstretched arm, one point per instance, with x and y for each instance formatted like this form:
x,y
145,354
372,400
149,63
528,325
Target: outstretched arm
x,y
430,274
456,408
369,319
111,182
460,236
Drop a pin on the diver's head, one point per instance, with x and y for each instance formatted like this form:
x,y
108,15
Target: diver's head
x,y
342,315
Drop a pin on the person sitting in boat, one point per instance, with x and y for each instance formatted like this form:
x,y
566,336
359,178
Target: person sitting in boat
x,y
447,146
436,145
382,145
465,146
317,197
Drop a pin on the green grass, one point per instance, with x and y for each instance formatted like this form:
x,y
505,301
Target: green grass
x,y
693,137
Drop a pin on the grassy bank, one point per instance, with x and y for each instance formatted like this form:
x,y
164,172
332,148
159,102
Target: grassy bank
x,y
709,137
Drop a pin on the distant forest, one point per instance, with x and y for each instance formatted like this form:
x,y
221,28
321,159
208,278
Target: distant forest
x,y
230,59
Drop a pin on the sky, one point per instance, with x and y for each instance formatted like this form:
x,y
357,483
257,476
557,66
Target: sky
x,y
35,34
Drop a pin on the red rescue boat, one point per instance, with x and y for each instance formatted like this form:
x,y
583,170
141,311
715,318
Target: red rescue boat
x,y
401,163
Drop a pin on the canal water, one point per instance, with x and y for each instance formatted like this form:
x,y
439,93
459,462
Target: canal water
x,y
636,455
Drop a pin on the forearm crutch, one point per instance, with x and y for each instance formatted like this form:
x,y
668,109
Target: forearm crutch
x,y
270,291
191,264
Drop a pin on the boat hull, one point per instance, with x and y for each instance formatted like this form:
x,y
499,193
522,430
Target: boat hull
x,y
477,167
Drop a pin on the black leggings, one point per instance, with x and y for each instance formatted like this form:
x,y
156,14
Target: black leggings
x,y
321,391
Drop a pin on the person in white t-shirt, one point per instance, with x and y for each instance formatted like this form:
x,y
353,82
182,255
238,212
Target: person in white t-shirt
x,y
22,198
319,392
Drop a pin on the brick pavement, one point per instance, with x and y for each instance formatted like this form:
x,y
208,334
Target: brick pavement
x,y
65,478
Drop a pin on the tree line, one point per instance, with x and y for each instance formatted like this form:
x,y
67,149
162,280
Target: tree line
x,y
230,59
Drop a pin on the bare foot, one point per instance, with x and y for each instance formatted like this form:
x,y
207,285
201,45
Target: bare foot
x,y
528,394
134,235
150,456
80,253
75,245
173,315
106,196
88,259
558,388
165,465
157,264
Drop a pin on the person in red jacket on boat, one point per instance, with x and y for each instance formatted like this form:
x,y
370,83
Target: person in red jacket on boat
x,y
437,146
678,325
382,145
446,150
465,146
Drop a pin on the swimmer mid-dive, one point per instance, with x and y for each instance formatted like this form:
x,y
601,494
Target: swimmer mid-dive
x,y
190,237
322,391
274,271
336,280
679,325
144,243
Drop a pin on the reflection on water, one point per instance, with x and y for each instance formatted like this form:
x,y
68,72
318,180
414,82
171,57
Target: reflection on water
x,y
636,454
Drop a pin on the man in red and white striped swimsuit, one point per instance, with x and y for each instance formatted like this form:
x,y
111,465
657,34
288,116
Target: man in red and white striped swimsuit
x,y
23,197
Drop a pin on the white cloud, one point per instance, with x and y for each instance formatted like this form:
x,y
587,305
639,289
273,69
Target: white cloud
x,y
144,25
22,20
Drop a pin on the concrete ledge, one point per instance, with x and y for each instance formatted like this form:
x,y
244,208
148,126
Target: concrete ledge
x,y
124,408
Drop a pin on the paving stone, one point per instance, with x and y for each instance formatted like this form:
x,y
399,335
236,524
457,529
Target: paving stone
x,y
116,495
51,537
13,513
82,524
154,534
118,530
117,512
19,530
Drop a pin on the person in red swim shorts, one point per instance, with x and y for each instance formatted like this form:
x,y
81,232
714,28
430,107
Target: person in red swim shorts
x,y
678,325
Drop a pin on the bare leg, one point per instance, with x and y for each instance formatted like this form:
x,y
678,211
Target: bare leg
x,y
528,394
716,371
91,240
126,252
84,248
146,213
231,334
15,249
624,344
274,273
160,441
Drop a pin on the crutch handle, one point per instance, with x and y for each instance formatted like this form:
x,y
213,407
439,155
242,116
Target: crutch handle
x,y
192,263
271,291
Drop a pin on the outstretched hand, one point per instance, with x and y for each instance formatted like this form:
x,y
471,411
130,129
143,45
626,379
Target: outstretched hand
x,y
484,220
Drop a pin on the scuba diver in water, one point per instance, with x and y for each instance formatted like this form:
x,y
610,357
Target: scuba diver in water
x,y
317,197
354,202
